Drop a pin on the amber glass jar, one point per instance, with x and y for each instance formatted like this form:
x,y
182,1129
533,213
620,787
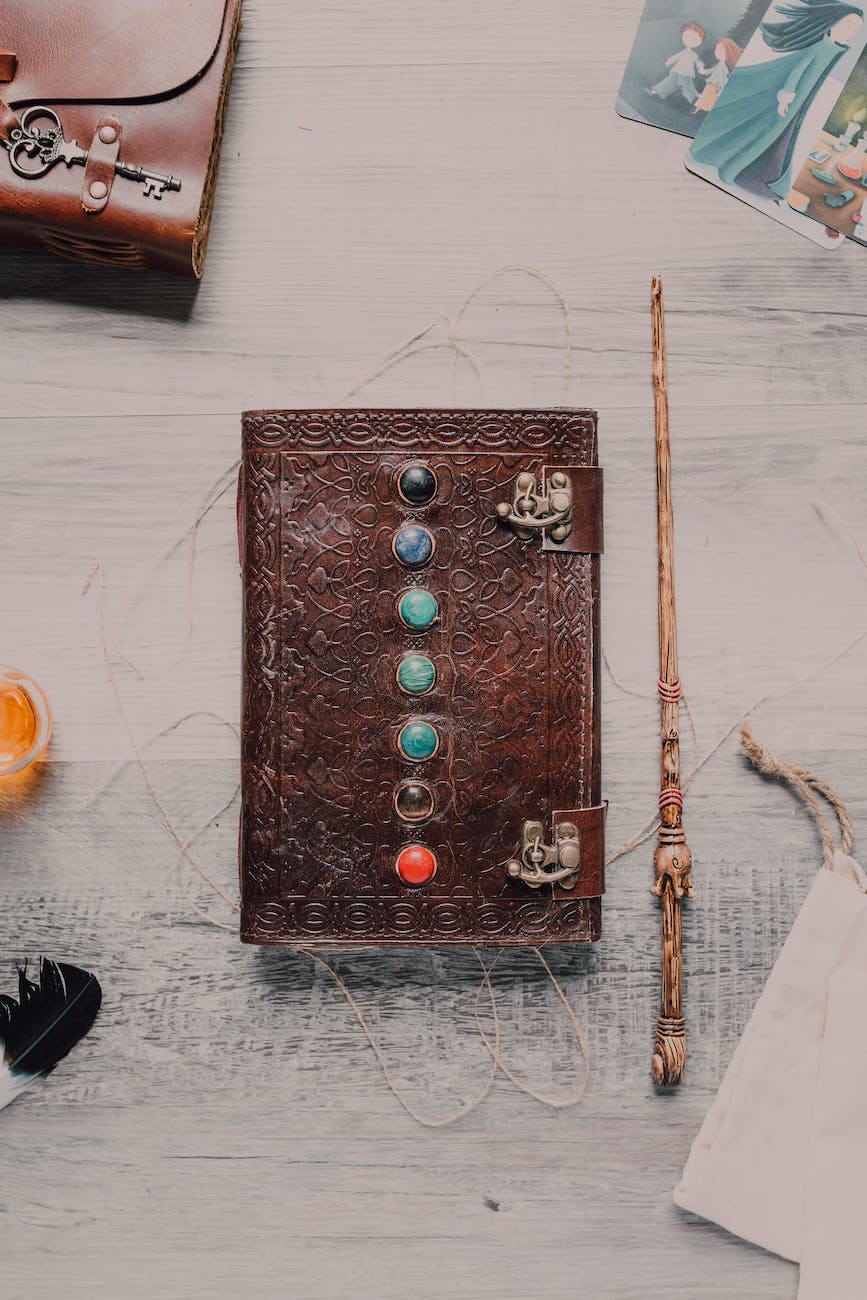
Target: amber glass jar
x,y
25,720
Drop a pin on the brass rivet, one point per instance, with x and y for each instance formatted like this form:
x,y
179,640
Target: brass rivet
x,y
98,190
107,134
570,855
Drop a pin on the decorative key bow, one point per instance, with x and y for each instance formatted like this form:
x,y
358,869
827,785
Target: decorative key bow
x,y
38,144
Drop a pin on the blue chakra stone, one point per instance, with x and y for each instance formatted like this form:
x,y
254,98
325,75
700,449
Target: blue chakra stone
x,y
417,609
417,485
413,545
416,674
418,741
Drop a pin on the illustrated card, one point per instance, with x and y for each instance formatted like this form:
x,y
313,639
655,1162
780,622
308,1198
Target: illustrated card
x,y
683,54
769,114
831,186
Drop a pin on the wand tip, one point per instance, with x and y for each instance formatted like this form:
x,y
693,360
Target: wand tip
x,y
656,287
669,1051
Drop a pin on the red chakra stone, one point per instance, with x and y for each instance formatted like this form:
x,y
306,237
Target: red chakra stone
x,y
416,865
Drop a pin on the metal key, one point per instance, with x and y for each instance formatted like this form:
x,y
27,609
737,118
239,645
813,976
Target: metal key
x,y
38,144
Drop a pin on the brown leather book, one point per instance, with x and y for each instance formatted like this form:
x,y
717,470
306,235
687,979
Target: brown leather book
x,y
420,751
111,119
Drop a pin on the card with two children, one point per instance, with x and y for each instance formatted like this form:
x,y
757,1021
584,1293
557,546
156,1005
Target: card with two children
x,y
683,55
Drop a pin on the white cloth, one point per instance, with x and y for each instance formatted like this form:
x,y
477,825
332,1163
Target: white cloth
x,y
781,1158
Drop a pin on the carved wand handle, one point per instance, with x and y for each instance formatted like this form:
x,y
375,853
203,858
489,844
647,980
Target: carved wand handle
x,y
672,860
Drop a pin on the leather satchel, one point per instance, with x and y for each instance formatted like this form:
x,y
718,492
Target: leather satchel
x,y
111,119
420,748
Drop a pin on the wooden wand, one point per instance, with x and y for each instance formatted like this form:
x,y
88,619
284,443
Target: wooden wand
x,y
672,860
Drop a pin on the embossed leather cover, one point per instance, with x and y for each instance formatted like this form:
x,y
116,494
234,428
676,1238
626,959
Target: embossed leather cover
x,y
161,69
515,702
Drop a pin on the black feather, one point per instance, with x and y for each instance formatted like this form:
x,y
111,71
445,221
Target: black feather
x,y
46,1022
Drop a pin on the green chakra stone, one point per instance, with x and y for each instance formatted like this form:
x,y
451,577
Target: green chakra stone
x,y
416,674
418,609
418,741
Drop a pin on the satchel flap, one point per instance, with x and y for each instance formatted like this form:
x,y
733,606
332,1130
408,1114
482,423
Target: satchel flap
x,y
107,50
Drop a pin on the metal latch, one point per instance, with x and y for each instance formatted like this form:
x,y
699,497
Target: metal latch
x,y
547,864
533,510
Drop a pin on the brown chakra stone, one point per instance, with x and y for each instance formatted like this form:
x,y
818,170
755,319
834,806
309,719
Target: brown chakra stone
x,y
414,801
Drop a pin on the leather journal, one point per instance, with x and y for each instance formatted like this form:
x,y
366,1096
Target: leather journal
x,y
111,118
420,747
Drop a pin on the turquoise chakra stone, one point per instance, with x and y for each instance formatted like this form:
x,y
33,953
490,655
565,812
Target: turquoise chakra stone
x,y
418,609
413,545
416,674
418,741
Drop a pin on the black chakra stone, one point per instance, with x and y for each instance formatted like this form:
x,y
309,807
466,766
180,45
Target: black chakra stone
x,y
414,801
417,484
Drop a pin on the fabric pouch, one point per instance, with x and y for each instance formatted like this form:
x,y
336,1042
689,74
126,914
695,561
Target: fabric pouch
x,y
780,1157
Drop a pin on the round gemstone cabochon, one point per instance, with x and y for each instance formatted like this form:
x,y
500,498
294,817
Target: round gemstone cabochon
x,y
413,544
416,674
417,484
417,609
418,741
416,865
414,801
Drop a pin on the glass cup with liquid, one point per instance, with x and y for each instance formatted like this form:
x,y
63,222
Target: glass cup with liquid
x,y
25,720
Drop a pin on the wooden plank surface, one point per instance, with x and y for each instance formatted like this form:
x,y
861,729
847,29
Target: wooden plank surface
x,y
226,1127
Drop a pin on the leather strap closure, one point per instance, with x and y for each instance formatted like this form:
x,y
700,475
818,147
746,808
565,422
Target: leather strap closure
x,y
590,824
8,121
8,68
585,534
99,170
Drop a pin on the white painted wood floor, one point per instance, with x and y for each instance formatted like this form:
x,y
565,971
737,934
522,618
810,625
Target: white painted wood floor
x,y
225,1129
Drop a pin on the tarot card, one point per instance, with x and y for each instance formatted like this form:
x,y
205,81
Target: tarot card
x,y
831,187
768,114
683,54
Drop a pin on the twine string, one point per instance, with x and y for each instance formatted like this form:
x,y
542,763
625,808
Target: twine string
x,y
651,826
555,1103
804,781
807,785
424,1120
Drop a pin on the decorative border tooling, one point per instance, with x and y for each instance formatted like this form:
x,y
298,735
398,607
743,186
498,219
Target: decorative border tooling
x,y
390,921
571,432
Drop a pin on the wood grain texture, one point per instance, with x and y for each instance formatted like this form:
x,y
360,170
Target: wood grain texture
x,y
226,1127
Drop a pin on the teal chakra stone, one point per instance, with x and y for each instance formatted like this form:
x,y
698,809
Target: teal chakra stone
x,y
416,674
417,609
418,741
413,545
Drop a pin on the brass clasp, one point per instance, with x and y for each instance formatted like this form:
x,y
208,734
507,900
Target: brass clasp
x,y
547,864
533,510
